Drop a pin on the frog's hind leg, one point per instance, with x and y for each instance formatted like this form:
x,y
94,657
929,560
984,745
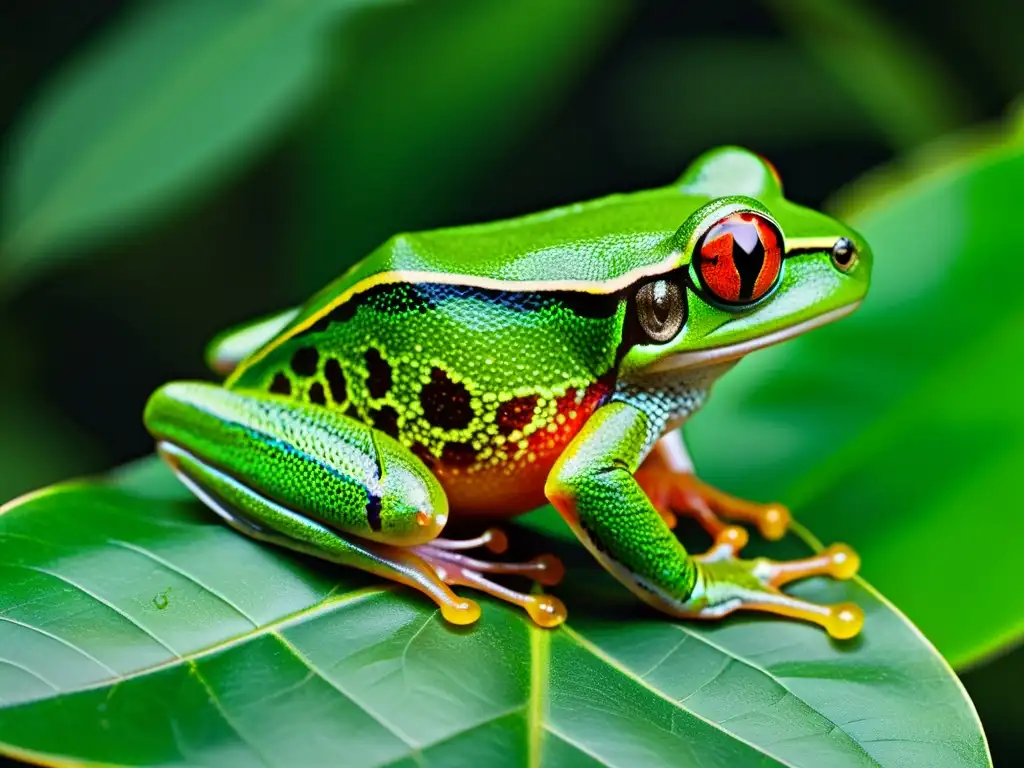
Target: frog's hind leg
x,y
668,480
456,568
254,515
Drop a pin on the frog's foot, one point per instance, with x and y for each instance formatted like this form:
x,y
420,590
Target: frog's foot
x,y
728,584
452,567
681,493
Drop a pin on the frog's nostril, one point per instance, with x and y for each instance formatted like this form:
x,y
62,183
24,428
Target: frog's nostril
x,y
844,254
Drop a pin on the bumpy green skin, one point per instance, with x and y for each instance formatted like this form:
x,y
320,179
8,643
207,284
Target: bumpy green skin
x,y
505,361
434,365
335,469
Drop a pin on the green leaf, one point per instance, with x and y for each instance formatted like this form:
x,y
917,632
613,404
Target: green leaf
x,y
172,97
901,429
134,629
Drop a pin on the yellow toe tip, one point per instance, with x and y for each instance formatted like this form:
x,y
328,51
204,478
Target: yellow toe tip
x,y
462,612
733,536
547,611
775,522
843,561
845,620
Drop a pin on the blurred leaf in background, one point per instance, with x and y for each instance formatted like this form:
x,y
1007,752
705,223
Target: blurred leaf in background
x,y
422,104
165,103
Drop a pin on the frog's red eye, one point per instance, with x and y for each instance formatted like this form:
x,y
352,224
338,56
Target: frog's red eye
x,y
739,259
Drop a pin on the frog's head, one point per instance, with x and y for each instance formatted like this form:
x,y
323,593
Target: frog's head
x,y
751,269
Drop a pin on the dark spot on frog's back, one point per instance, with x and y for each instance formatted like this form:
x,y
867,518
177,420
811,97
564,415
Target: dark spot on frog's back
x,y
386,420
280,385
458,454
336,381
305,361
378,374
446,403
515,413
316,393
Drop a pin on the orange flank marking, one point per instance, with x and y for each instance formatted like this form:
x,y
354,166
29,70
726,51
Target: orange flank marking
x,y
517,485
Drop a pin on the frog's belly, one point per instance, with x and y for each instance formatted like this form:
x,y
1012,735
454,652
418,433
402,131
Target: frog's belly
x,y
494,492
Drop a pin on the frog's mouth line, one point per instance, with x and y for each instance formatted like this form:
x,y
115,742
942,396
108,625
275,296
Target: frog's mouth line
x,y
704,357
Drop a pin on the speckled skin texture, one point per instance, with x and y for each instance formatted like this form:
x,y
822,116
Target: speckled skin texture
x,y
485,387
304,457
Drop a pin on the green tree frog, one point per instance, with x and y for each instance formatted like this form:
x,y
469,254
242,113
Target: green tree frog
x,y
481,371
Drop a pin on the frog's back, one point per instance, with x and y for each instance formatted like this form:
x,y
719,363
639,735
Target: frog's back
x,y
598,246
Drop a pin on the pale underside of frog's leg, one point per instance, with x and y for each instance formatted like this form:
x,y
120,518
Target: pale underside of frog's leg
x,y
592,485
667,477
428,568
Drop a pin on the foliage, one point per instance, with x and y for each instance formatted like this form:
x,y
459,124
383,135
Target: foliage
x,y
137,630
894,430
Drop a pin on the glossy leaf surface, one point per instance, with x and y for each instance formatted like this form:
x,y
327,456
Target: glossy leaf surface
x,y
135,629
160,106
900,430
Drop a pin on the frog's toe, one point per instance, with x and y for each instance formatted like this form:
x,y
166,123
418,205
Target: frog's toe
x,y
729,584
455,568
673,492
493,540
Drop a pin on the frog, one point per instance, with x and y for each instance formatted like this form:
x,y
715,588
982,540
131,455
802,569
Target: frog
x,y
478,372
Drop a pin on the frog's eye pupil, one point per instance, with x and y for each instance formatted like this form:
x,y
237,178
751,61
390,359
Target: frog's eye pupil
x,y
844,254
739,259
661,309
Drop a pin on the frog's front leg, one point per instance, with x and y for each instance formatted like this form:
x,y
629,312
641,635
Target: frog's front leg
x,y
593,487
667,478
312,480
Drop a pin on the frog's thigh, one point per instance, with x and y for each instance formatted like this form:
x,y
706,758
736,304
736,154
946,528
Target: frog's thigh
x,y
263,519
305,478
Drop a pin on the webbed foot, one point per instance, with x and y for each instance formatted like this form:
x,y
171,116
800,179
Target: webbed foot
x,y
728,584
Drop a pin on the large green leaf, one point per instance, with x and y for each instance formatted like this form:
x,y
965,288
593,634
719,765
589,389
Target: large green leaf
x,y
134,629
901,429
171,97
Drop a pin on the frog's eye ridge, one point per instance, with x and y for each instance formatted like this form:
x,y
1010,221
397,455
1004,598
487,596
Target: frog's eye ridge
x,y
661,309
739,259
